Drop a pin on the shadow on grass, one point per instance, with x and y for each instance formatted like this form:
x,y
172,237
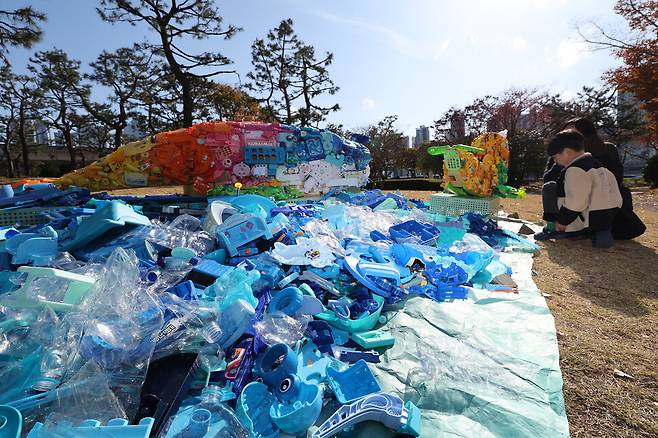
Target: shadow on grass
x,y
619,278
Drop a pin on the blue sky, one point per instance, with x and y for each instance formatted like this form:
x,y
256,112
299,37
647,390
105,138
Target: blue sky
x,y
414,58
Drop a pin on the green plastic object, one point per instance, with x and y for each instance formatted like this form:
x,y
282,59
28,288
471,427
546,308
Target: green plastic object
x,y
280,193
77,287
11,422
452,205
182,253
440,150
354,325
388,204
374,339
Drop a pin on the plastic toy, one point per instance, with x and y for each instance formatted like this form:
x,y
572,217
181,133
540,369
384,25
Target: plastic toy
x,y
234,321
11,425
218,212
479,169
354,325
94,428
382,279
239,230
276,363
75,287
374,339
299,402
240,362
320,334
305,252
35,248
253,411
312,365
288,301
296,417
352,356
414,232
353,383
253,203
384,408
232,285
113,215
207,272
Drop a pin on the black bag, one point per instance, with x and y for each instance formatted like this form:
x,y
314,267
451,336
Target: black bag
x,y
627,225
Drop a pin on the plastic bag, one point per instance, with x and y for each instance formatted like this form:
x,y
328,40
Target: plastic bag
x,y
86,396
277,327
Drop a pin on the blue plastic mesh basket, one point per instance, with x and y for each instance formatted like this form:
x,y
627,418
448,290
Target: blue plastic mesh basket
x,y
453,205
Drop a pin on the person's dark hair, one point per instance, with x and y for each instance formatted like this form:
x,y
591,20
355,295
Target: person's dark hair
x,y
569,138
582,125
593,143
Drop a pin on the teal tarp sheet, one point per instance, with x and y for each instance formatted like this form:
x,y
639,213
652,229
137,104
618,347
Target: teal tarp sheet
x,y
485,367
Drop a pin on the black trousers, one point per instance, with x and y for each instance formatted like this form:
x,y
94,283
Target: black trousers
x,y
549,201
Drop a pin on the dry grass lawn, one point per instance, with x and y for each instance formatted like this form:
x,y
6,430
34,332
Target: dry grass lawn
x,y
605,304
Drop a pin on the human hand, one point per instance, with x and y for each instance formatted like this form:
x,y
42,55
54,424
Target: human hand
x,y
559,227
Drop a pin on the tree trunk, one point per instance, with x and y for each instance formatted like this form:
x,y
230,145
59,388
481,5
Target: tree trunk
x,y
68,140
286,98
307,98
11,171
23,141
188,103
10,162
181,77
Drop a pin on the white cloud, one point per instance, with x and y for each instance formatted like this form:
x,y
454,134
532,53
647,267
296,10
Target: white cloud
x,y
569,52
441,48
395,39
519,43
568,94
367,103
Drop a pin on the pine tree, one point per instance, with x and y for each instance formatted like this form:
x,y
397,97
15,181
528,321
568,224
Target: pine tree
x,y
173,21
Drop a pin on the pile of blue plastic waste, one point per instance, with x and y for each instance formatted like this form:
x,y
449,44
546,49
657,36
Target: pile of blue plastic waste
x,y
175,316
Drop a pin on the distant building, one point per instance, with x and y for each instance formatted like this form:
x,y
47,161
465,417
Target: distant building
x,y
413,141
405,141
635,153
422,135
457,126
133,130
42,134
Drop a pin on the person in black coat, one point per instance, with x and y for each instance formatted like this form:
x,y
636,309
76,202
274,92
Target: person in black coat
x,y
627,225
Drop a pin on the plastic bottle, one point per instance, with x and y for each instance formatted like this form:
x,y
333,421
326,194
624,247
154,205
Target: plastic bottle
x,y
209,418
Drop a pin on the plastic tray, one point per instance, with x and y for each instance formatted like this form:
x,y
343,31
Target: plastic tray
x,y
452,205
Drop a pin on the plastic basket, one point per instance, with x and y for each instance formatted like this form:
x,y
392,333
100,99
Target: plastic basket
x,y
23,216
27,217
453,205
